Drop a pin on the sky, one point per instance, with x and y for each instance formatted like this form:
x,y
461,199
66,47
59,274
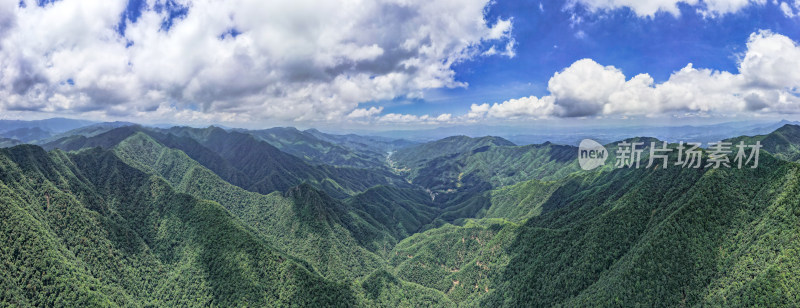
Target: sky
x,y
400,63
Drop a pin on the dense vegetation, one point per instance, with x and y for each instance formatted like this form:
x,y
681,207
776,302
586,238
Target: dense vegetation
x,y
135,216
244,161
87,229
318,151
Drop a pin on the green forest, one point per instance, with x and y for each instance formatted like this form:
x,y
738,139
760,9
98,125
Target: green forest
x,y
136,216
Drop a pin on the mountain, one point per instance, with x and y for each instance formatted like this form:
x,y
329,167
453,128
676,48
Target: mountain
x,y
138,216
678,236
621,237
55,125
459,180
361,143
323,230
243,160
308,146
87,229
497,166
26,134
86,131
267,169
415,156
784,142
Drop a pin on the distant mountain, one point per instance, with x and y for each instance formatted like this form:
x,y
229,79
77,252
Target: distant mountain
x,y
54,125
7,143
415,156
544,131
87,131
267,169
27,134
315,150
363,142
474,165
245,161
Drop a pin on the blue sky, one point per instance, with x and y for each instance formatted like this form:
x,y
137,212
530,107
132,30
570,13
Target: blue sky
x,y
548,41
397,64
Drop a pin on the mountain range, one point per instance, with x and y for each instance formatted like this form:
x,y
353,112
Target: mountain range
x,y
118,214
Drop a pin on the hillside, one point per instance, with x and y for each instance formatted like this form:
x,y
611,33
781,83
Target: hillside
x,y
244,161
308,146
784,142
86,229
415,156
369,144
339,239
128,216
674,237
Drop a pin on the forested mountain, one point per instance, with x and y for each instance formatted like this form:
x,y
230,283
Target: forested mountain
x,y
245,161
137,216
784,142
673,237
416,156
86,229
338,239
374,144
315,150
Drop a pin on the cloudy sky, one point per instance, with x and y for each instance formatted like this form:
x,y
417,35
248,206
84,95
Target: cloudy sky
x,y
398,63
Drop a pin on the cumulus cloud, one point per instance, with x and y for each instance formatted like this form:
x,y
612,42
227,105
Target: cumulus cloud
x,y
364,113
396,118
768,80
644,8
299,60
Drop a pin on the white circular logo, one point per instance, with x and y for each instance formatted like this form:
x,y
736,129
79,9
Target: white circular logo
x,y
591,154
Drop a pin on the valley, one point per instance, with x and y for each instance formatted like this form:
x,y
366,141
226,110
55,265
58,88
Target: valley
x,y
142,216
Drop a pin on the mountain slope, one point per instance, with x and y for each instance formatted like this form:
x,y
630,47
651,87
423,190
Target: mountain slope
x,y
365,144
267,169
415,156
87,229
338,238
784,142
244,161
304,222
317,151
673,237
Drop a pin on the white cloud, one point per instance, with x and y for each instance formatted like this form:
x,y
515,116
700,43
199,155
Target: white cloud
x,y
396,118
645,8
787,10
768,81
299,60
364,113
584,87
